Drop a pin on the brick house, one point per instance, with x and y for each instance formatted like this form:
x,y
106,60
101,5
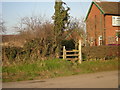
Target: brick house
x,y
103,23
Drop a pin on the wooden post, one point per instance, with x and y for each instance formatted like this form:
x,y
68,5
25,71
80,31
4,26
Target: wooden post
x,y
80,54
64,52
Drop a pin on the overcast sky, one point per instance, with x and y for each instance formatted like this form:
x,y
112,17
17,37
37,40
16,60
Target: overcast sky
x,y
13,10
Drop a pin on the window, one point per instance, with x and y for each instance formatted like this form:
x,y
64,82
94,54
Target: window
x,y
91,39
111,40
116,20
100,40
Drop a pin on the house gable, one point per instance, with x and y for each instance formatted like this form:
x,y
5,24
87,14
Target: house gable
x,y
107,8
91,8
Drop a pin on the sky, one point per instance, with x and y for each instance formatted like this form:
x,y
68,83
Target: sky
x,y
13,10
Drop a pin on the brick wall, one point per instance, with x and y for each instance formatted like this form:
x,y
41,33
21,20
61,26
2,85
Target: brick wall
x,y
110,30
94,25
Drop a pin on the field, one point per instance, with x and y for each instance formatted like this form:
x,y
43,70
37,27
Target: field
x,y
54,68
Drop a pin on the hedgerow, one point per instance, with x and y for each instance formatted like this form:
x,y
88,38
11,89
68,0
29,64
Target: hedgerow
x,y
100,52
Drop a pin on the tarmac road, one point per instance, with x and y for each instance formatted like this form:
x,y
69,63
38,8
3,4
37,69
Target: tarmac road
x,y
108,79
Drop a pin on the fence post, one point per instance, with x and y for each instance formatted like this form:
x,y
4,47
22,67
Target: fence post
x,y
80,54
64,52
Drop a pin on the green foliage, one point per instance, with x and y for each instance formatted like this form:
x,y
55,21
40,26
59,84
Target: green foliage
x,y
11,52
61,21
32,50
60,17
69,44
39,48
32,47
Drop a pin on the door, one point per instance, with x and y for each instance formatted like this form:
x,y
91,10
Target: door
x,y
100,40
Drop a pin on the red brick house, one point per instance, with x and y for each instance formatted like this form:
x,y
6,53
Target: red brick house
x,y
103,23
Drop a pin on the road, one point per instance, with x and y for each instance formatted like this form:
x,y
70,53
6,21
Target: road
x,y
108,79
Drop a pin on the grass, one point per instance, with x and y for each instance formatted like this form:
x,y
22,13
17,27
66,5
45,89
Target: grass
x,y
54,68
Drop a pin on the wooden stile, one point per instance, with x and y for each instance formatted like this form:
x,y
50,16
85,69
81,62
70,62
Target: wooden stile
x,y
64,52
79,55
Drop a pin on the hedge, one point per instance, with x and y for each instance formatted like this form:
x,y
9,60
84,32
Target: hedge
x,y
88,53
100,52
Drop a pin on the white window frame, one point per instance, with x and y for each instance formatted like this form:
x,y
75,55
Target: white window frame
x,y
115,20
99,39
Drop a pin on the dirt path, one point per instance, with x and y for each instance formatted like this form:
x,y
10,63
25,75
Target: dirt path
x,y
107,79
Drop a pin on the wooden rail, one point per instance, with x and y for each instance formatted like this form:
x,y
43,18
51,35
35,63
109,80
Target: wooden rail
x,y
74,56
72,51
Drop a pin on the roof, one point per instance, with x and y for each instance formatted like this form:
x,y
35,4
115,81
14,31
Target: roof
x,y
5,38
109,8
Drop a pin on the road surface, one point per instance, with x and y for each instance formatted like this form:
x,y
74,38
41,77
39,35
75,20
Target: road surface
x,y
108,79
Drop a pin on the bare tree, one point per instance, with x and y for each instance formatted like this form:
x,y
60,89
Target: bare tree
x,y
29,26
76,30
2,26
38,30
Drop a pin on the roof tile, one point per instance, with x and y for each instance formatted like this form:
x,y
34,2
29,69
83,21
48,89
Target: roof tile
x,y
110,7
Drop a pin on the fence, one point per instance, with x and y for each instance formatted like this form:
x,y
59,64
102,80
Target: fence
x,y
76,54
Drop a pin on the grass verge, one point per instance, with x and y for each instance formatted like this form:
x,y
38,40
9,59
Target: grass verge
x,y
54,68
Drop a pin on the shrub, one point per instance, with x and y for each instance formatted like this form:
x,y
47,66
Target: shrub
x,y
11,52
32,50
69,44
100,52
